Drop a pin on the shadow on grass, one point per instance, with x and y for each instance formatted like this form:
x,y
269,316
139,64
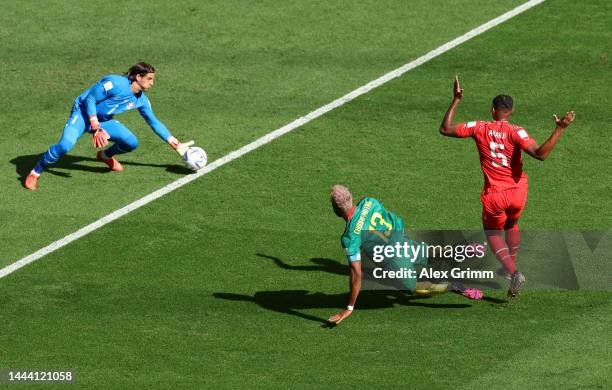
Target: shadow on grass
x,y
320,264
333,267
290,301
24,164
494,300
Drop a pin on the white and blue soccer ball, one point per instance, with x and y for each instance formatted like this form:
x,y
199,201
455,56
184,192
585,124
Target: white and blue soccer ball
x,y
195,158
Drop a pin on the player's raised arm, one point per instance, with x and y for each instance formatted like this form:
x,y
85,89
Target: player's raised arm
x,y
355,287
448,127
541,152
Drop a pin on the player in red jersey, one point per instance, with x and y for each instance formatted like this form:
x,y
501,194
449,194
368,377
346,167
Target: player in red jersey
x,y
499,145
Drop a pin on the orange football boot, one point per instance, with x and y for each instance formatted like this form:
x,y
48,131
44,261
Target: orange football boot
x,y
113,164
31,182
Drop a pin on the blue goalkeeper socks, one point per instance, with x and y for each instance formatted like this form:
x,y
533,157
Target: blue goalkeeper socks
x,y
49,157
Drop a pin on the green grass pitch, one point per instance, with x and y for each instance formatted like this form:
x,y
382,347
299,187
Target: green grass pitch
x,y
225,283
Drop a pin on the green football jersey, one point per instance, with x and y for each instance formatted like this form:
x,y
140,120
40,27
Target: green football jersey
x,y
371,224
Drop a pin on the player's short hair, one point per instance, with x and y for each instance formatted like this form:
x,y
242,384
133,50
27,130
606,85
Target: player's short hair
x,y
503,102
341,197
139,68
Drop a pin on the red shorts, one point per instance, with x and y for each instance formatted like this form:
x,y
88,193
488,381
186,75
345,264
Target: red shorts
x,y
501,207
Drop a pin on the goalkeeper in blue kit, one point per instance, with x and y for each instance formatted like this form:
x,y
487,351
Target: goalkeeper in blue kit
x,y
93,112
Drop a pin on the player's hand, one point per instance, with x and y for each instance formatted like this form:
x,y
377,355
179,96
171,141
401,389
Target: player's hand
x,y
179,147
457,90
337,318
565,121
100,138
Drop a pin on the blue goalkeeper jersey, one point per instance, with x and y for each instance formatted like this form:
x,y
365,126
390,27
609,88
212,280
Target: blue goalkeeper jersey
x,y
112,95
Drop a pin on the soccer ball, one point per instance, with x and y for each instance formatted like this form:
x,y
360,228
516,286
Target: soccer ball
x,y
195,158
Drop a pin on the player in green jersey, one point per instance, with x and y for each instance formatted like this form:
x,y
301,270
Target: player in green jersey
x,y
369,224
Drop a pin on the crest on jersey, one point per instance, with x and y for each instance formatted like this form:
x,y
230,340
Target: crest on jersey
x,y
523,134
471,124
130,105
108,85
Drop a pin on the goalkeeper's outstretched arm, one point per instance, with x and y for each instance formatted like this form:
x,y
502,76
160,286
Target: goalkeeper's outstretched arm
x,y
146,111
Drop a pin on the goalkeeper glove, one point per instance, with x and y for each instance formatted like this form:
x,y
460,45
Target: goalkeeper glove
x,y
100,138
178,146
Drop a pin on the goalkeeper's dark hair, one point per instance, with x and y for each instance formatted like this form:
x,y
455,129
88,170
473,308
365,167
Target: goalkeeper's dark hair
x,y
139,68
503,103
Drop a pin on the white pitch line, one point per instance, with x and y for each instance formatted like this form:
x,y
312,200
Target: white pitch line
x,y
265,139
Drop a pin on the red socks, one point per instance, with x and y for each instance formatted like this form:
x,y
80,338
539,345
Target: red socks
x,y
513,240
498,246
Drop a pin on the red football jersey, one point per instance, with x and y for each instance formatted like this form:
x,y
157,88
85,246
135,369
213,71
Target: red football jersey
x,y
499,144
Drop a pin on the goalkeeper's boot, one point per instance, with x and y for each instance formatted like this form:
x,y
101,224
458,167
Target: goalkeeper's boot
x,y
112,163
516,282
31,182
